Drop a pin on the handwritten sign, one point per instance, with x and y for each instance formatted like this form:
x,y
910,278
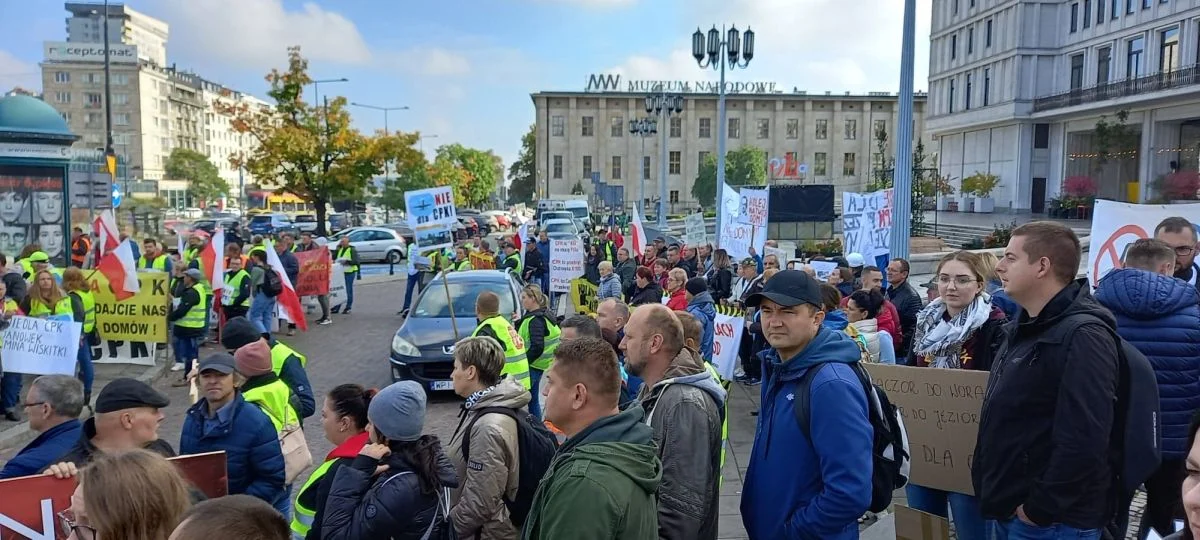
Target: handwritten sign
x,y
917,525
867,222
823,269
41,346
314,272
124,352
941,414
566,263
728,327
753,208
141,317
432,216
1117,225
694,232
583,296
735,237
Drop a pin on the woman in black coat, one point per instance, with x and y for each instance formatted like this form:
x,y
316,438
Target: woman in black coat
x,y
645,288
720,276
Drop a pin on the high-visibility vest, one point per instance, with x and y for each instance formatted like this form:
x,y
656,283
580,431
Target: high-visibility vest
x,y
549,341
189,254
198,314
89,309
280,354
303,519
516,364
159,263
87,244
26,268
724,422
11,308
263,249
41,311
233,285
462,265
346,253
517,257
274,399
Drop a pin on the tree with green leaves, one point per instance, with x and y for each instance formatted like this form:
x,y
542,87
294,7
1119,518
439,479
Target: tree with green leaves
x,y
479,183
522,174
745,166
205,184
925,183
311,150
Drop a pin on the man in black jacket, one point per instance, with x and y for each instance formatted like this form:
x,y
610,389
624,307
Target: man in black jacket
x,y
1043,465
14,283
532,273
907,302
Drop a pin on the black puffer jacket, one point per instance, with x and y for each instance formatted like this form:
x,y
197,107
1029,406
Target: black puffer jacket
x,y
365,506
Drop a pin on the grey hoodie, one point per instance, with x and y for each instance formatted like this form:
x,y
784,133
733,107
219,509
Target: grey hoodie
x,y
685,410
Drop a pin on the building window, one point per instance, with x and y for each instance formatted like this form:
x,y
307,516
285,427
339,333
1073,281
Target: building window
x,y
848,164
645,166
819,164
1133,61
1116,9
617,125
987,86
120,79
616,167
1099,11
951,100
764,128
1075,17
701,158
956,7
851,130
706,128
967,93
676,127
587,167
822,129
971,40
66,116
1077,71
735,128
121,119
93,99
120,99
588,126
558,126
62,77
674,196
972,3
62,97
1087,13
1103,64
673,159
1146,4
1168,51
987,33
1129,7
793,128
954,46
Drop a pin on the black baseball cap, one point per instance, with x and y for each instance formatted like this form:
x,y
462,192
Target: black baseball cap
x,y
788,288
125,393
220,362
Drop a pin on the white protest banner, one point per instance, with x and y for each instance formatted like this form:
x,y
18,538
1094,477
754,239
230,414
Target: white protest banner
x,y
41,346
753,208
693,225
124,352
432,216
737,238
728,327
1116,225
823,269
867,223
337,285
778,253
566,263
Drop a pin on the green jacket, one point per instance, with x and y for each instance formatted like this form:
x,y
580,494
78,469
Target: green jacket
x,y
601,484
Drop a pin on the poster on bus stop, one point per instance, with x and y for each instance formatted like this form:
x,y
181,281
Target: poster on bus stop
x,y
432,216
1115,225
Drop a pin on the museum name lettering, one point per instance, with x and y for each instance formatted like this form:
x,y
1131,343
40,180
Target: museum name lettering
x,y
612,83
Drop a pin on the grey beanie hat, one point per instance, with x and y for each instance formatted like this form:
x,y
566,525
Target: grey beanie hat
x,y
398,411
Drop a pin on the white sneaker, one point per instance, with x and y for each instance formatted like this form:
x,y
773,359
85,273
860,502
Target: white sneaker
x,y
177,367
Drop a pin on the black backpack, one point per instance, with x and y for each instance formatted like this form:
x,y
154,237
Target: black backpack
x,y
536,446
889,450
272,285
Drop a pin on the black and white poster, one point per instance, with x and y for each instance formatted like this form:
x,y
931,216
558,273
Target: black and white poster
x,y
33,209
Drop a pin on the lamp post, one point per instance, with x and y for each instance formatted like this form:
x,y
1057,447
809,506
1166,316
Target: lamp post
x,y
421,141
317,86
643,128
734,51
903,177
663,105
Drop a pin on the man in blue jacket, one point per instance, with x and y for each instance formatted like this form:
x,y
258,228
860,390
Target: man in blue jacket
x,y
224,421
53,404
797,486
1160,316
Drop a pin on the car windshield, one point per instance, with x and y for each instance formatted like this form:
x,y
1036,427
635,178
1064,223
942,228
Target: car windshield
x,y
203,224
260,219
579,213
560,228
433,305
306,219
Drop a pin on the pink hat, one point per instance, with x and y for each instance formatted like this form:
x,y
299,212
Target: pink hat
x,y
253,359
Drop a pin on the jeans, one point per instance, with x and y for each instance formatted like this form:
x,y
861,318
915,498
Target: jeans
x,y
535,402
10,390
1015,529
262,312
187,348
349,291
87,372
968,520
284,504
411,287
545,280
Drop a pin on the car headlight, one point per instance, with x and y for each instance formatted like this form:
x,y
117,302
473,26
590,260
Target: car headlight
x,y
402,347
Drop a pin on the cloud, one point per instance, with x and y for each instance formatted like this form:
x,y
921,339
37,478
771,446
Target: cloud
x,y
254,33
677,65
432,62
15,72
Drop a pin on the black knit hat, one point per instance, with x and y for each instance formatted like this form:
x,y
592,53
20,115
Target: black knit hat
x,y
696,286
239,332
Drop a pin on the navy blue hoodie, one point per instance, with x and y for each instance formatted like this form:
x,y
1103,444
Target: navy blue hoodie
x,y
801,488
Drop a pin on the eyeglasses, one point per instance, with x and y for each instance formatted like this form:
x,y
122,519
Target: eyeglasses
x,y
961,281
69,525
1185,250
34,404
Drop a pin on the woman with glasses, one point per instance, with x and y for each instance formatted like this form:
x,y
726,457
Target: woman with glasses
x,y
960,329
135,495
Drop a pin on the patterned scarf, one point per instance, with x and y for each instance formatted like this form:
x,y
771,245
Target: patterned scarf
x,y
478,395
940,341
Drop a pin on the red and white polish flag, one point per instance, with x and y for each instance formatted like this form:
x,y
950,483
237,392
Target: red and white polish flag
x,y
288,299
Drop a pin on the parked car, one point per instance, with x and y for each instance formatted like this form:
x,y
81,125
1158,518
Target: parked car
x,y
484,227
423,348
565,228
373,243
306,223
668,238
267,224
405,231
234,232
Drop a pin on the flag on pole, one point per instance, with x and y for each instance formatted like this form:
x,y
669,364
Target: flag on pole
x,y
637,232
522,237
105,229
288,299
212,260
118,266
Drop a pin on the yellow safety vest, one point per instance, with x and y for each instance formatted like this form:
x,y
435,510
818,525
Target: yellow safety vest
x,y
345,253
280,354
725,422
89,309
159,263
550,342
516,364
274,399
516,256
233,286
41,311
189,254
11,308
26,268
197,315
462,265
302,521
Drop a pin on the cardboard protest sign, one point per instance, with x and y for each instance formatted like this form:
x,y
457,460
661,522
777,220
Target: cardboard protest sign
x,y
917,525
753,207
1116,225
693,226
337,285
41,346
728,328
823,269
566,263
141,317
28,504
867,223
314,272
482,261
583,296
432,216
737,238
941,414
124,352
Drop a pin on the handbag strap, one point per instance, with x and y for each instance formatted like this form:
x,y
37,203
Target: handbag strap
x,y
442,509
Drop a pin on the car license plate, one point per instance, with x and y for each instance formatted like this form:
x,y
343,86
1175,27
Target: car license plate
x,y
441,385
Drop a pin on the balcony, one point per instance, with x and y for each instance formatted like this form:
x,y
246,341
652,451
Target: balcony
x,y
1179,78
